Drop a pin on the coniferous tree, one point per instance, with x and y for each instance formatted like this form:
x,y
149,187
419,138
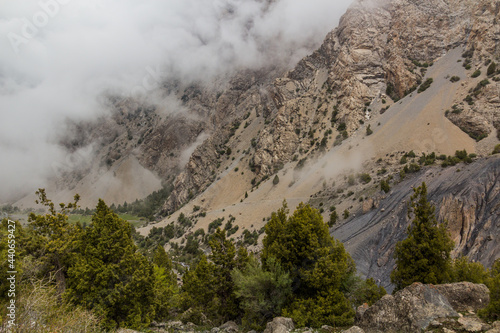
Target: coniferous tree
x,y
165,283
54,237
209,287
109,276
318,266
424,256
226,258
161,259
198,293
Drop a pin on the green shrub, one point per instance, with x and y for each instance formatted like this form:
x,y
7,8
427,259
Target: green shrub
x,y
461,154
424,86
384,186
464,270
492,311
365,178
496,150
450,161
263,293
382,171
454,79
491,69
331,309
476,73
412,168
365,291
369,131
481,85
333,218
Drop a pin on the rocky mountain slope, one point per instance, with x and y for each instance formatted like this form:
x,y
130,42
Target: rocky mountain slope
x,y
367,75
395,76
380,52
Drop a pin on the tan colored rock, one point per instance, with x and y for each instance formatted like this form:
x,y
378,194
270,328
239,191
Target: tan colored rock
x,y
280,325
470,324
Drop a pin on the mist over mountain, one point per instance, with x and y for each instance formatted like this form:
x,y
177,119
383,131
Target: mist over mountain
x,y
61,59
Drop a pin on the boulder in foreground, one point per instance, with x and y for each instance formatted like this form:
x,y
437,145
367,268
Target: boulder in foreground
x,y
409,310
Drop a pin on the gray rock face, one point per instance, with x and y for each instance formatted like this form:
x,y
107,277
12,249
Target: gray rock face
x,y
280,325
469,200
465,296
409,310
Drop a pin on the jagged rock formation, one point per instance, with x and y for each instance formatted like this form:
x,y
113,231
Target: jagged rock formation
x,y
467,196
380,52
379,47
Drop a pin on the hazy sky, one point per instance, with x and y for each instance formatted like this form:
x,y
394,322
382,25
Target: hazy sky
x,y
58,56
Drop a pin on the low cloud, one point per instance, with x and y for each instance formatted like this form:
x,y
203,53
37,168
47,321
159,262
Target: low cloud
x,y
60,56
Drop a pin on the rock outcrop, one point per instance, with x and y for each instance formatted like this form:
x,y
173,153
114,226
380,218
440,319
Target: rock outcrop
x,y
354,329
465,296
409,310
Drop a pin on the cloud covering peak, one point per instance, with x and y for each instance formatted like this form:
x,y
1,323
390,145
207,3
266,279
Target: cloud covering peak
x,y
59,56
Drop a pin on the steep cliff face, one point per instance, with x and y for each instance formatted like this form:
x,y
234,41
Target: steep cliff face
x,y
467,197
